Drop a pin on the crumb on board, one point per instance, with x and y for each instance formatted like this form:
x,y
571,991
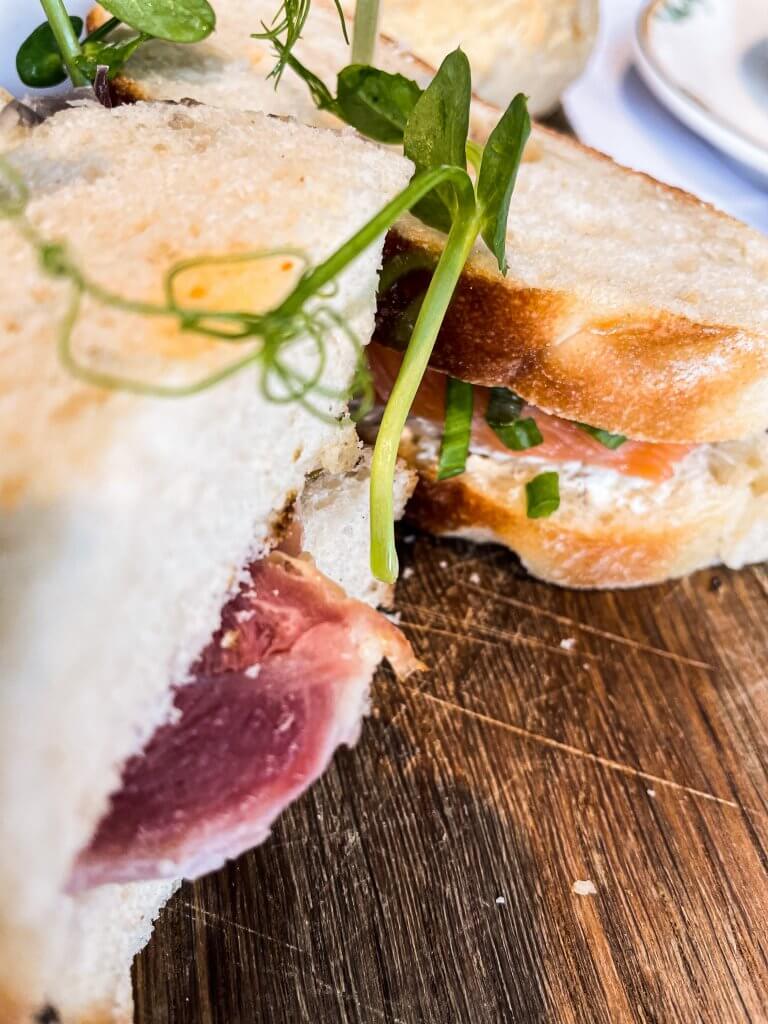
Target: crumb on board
x,y
474,577
443,563
407,572
568,643
583,887
651,792
500,901
409,538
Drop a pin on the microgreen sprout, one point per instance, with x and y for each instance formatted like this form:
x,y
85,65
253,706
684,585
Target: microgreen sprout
x,y
262,340
54,49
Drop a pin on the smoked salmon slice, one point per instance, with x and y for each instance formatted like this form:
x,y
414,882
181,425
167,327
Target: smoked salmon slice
x,y
562,440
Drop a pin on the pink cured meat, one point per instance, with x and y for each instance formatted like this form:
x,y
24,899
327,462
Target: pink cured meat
x,y
282,684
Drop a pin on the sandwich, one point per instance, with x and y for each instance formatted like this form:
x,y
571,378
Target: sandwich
x,y
186,616
623,357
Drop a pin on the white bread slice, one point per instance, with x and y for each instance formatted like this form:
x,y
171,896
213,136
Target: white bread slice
x,y
125,520
533,46
331,515
105,929
107,926
628,304
610,530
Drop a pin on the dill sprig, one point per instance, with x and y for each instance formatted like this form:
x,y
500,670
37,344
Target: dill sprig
x,y
286,28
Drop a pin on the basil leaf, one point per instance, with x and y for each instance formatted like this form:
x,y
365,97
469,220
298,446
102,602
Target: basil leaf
x,y
375,102
436,134
113,55
179,21
542,495
38,62
612,441
454,447
498,173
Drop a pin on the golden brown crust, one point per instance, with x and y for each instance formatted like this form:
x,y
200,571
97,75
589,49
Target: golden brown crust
x,y
556,549
641,373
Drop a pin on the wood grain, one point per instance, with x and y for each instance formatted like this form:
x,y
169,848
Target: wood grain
x,y
427,879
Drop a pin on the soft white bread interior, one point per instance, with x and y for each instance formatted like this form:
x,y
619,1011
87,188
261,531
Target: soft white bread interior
x,y
610,530
627,304
331,514
125,520
533,46
106,927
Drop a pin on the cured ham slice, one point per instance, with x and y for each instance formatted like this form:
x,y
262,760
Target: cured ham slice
x,y
282,684
562,441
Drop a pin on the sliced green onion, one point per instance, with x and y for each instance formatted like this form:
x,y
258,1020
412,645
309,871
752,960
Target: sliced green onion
x,y
503,417
542,495
611,441
454,448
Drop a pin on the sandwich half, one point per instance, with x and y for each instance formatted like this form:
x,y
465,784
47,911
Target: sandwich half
x,y
629,308
175,667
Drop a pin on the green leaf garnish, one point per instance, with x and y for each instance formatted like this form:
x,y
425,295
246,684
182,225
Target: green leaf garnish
x,y
39,62
503,417
498,173
178,21
611,441
436,135
457,431
376,103
542,495
104,53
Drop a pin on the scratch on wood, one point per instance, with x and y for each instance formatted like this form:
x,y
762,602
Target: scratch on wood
x,y
604,762
223,922
594,630
459,632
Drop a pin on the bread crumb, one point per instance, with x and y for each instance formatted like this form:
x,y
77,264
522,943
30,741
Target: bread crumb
x,y
407,572
409,538
583,887
651,792
474,577
568,643
501,901
443,563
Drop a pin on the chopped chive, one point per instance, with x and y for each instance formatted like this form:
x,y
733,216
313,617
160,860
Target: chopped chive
x,y
454,448
542,495
503,417
611,441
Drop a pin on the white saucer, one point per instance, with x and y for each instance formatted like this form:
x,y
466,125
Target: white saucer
x,y
707,61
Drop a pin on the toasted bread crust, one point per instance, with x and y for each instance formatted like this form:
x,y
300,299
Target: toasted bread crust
x,y
642,373
549,548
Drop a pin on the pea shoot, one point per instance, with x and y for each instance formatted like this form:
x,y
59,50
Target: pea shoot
x,y
54,50
431,124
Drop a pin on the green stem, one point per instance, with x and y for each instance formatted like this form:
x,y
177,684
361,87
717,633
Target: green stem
x,y
458,247
103,30
325,272
64,35
474,154
365,31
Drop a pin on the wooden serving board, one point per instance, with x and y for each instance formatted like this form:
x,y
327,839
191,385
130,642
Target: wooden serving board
x,y
613,738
